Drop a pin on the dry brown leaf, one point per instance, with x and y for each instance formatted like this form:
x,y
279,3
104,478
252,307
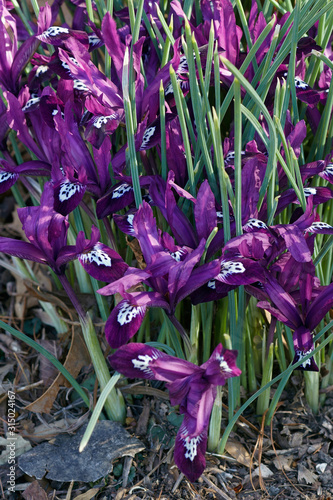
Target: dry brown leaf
x,y
34,492
60,298
23,300
306,475
47,370
45,318
88,494
77,358
45,432
15,228
283,463
296,439
46,296
239,452
263,470
136,249
43,280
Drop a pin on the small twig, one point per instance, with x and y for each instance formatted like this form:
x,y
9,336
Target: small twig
x,y
215,488
243,419
260,442
277,456
69,492
20,365
22,389
143,389
259,446
177,483
170,452
126,470
30,386
326,389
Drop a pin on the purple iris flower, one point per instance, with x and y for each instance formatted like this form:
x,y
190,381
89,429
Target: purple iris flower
x,y
320,195
46,231
104,120
274,239
10,173
170,272
68,189
315,304
100,261
190,386
17,121
303,90
12,59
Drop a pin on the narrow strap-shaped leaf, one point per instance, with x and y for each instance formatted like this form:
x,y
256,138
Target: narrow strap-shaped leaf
x,y
24,338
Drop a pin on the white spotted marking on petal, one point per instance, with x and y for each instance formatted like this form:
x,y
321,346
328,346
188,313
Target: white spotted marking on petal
x,y
231,156
97,256
127,313
309,191
41,69
66,66
183,66
121,190
130,218
178,255
299,84
149,132
228,268
191,446
211,284
317,225
54,113
102,120
5,176
55,31
329,169
67,190
168,89
300,355
224,365
142,362
31,102
93,39
74,61
255,224
78,85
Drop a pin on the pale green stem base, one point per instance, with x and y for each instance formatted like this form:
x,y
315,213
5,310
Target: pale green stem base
x,y
114,404
312,390
214,432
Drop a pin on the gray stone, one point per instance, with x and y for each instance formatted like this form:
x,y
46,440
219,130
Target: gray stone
x,y
61,460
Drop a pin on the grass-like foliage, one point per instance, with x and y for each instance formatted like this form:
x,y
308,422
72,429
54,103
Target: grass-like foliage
x,y
175,161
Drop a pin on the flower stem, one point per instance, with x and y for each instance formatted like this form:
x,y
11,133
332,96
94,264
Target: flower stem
x,y
185,337
114,404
